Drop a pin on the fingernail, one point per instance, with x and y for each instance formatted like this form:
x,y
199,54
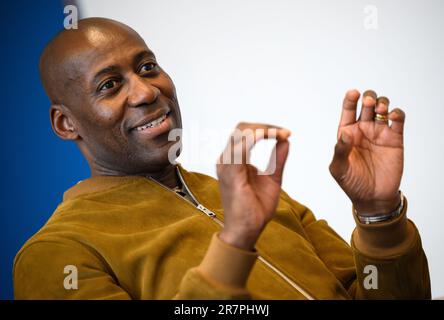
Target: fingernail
x,y
383,100
370,93
369,101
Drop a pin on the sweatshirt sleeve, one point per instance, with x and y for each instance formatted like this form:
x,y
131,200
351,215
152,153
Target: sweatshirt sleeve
x,y
394,250
385,260
37,279
222,274
43,270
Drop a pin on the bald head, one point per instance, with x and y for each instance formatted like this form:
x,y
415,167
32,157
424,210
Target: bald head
x,y
108,94
61,66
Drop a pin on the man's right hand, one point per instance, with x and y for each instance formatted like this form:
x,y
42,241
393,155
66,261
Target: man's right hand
x,y
249,198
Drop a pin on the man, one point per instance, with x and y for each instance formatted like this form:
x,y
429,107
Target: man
x,y
142,227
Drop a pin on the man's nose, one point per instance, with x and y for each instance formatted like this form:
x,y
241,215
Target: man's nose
x,y
141,92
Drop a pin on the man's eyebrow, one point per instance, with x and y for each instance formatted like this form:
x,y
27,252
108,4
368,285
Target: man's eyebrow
x,y
143,54
108,69
113,68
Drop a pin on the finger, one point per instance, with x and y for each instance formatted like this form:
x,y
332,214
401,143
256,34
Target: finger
x,y
382,105
227,154
277,161
339,164
368,106
257,132
251,137
243,139
263,130
348,115
255,125
397,116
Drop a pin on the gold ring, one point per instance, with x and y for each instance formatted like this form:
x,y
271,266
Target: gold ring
x,y
381,117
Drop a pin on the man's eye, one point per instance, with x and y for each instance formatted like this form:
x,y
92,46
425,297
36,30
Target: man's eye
x,y
108,85
147,67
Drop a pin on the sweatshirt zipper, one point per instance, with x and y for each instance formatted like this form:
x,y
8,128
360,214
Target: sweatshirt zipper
x,y
213,216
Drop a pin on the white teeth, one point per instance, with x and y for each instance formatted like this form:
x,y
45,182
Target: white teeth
x,y
153,123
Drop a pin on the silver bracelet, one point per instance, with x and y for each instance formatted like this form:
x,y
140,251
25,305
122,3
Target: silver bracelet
x,y
382,217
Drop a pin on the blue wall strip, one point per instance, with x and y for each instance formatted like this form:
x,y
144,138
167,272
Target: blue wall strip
x,y
36,166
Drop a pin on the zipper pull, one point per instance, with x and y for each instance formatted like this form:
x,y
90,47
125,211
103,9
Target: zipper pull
x,y
209,213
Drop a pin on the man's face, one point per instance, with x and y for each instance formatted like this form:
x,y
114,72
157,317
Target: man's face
x,y
125,104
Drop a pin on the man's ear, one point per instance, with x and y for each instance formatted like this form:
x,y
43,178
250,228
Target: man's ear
x,y
62,122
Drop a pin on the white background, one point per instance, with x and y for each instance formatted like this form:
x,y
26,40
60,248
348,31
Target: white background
x,y
289,63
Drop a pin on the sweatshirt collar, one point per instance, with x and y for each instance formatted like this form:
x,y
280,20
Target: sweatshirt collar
x,y
97,183
203,187
100,183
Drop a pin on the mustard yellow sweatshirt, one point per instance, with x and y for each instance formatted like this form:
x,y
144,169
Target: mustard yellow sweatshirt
x,y
132,238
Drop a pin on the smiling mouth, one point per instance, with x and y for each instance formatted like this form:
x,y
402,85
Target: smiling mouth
x,y
152,124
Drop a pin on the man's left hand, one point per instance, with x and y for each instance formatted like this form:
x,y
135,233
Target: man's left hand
x,y
369,154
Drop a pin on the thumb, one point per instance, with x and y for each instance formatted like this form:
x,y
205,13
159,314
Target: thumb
x,y
339,164
277,160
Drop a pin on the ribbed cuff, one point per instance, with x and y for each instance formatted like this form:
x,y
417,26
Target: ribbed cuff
x,y
226,264
385,239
